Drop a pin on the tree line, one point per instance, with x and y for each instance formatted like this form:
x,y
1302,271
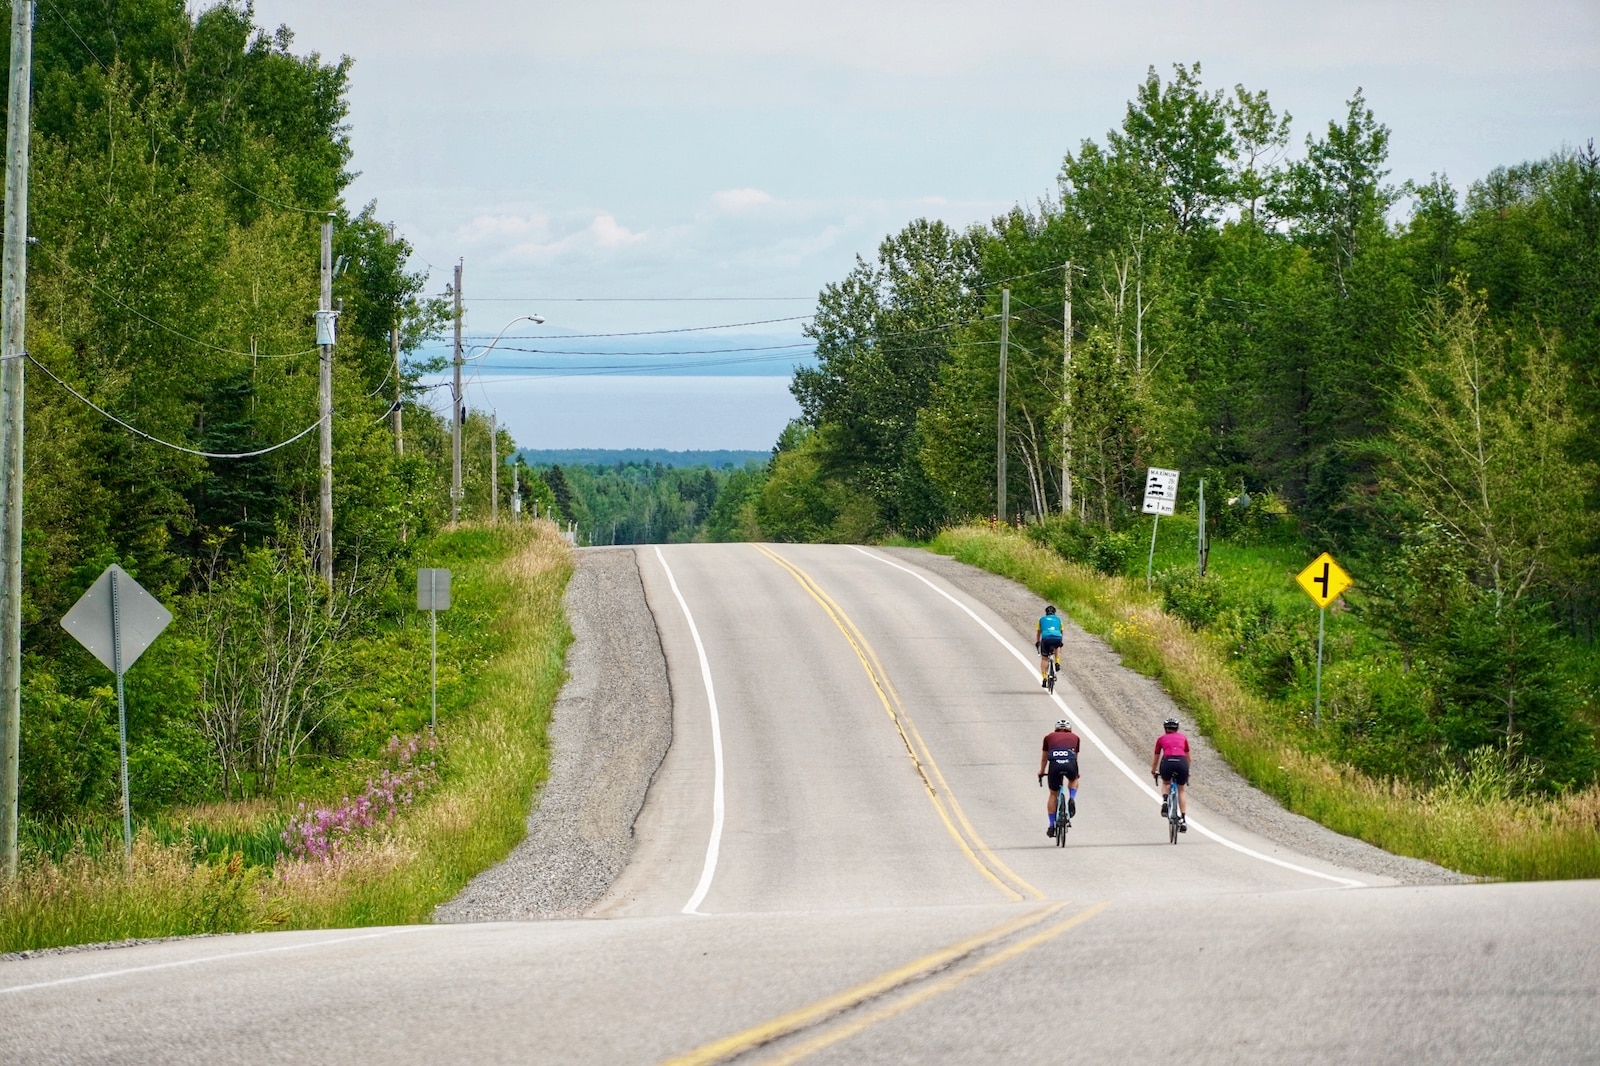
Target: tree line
x,y
1407,371
182,165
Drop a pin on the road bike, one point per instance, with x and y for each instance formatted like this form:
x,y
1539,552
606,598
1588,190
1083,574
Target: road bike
x,y
1063,820
1052,667
1174,815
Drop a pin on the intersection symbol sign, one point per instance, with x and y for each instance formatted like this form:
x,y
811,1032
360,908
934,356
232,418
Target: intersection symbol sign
x,y
1324,580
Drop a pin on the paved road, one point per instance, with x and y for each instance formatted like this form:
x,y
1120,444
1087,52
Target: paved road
x,y
842,859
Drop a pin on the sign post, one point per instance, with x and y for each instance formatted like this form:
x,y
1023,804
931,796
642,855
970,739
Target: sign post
x,y
1202,541
433,596
1160,498
116,620
1324,581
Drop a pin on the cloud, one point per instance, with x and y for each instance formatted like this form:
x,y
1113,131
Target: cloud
x,y
499,228
734,201
607,232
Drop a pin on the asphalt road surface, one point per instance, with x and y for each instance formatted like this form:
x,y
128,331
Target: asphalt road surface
x,y
842,859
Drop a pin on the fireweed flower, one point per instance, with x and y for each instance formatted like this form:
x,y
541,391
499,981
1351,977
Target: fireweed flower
x,y
321,834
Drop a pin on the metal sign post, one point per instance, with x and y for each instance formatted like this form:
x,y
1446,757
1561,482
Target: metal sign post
x,y
116,620
1160,498
1324,581
433,596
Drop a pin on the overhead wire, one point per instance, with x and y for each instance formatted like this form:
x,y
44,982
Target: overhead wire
x,y
61,261
648,332
157,440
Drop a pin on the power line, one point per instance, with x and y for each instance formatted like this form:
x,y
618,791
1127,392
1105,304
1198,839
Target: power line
x,y
638,299
687,351
61,261
166,444
632,368
647,332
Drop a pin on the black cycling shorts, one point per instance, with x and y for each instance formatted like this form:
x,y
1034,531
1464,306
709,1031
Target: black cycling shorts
x,y
1058,771
1046,645
1175,768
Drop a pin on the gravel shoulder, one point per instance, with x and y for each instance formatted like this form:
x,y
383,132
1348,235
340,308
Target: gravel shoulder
x,y
611,726
1135,706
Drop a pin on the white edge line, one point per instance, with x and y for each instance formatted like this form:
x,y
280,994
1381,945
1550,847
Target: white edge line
x,y
718,809
206,958
1088,735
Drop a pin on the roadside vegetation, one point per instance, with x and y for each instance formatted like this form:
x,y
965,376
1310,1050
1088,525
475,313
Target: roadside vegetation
x,y
1243,665
379,835
282,773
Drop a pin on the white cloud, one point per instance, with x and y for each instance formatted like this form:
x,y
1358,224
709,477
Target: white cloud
x,y
734,201
609,233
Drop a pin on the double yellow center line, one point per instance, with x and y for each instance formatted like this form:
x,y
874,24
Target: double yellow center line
x,y
944,801
944,967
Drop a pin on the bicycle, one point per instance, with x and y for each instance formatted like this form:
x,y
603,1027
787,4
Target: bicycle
x,y
1063,820
1052,666
1174,816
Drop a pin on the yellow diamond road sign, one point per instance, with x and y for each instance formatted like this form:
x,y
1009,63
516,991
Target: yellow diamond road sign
x,y
1324,580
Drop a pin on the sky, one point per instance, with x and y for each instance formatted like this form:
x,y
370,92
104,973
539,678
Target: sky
x,y
620,166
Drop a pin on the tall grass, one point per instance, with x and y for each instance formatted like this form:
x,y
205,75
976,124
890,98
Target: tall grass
x,y
202,871
1476,822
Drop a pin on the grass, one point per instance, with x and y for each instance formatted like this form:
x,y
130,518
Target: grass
x,y
1472,822
202,870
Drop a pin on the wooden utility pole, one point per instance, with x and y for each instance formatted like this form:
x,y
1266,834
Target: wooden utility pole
x,y
1000,427
1066,397
325,390
455,414
494,470
399,382
13,309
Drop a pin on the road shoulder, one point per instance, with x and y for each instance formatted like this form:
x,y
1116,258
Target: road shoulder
x,y
608,733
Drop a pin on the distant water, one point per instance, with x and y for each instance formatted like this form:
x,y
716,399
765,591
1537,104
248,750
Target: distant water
x,y
715,458
625,411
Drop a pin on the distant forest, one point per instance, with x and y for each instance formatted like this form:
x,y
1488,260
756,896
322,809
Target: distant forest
x,y
645,503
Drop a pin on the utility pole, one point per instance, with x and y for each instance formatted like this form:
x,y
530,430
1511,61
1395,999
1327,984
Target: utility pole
x,y
494,470
399,382
1066,398
455,414
326,391
1000,431
13,309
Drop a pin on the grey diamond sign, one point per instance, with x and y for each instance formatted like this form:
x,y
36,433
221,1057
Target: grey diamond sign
x,y
142,619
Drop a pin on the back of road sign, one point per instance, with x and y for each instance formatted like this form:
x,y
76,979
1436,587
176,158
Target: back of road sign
x,y
433,589
1160,491
142,619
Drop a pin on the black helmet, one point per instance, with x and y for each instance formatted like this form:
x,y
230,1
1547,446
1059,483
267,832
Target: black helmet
x,y
1050,608
1063,725
1170,725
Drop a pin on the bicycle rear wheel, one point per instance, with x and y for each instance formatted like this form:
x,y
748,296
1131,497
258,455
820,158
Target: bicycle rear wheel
x,y
1061,818
1172,816
1050,679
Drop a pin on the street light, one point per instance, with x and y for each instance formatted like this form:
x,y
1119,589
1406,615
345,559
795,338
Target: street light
x,y
456,419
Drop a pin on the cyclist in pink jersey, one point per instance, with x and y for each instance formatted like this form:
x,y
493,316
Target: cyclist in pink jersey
x,y
1171,763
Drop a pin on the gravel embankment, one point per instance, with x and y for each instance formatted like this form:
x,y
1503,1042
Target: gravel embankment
x,y
1135,706
610,729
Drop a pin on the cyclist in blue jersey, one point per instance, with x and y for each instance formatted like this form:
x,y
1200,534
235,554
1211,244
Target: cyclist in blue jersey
x,y
1047,638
